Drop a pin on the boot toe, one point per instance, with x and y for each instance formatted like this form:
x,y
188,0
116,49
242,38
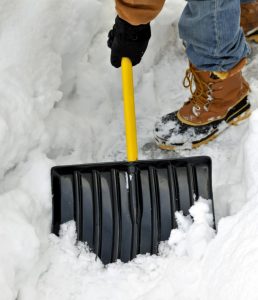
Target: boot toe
x,y
170,133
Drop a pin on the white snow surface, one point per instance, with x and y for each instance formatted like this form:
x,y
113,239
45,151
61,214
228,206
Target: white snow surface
x,y
61,104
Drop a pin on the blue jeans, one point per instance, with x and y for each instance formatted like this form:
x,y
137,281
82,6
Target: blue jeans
x,y
212,34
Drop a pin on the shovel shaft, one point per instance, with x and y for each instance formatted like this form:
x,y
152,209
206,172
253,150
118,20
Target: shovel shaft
x,y
129,110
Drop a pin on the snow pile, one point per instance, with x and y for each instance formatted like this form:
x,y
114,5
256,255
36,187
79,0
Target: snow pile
x,y
145,276
60,103
231,262
30,71
191,238
24,222
38,41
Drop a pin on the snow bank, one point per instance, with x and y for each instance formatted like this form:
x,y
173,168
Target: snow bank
x,y
79,276
30,71
37,42
56,50
231,262
24,222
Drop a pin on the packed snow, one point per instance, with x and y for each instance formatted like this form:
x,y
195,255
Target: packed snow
x,y
61,104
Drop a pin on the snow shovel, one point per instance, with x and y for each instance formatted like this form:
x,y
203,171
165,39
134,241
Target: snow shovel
x,y
122,209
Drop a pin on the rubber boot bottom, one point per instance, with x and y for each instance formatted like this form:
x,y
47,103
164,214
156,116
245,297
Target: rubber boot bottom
x,y
234,117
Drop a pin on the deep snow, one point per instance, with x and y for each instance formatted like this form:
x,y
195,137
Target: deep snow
x,y
61,103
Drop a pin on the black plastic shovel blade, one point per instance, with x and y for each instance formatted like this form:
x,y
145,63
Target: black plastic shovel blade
x,y
122,209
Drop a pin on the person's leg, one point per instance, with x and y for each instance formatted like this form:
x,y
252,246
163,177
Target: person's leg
x,y
217,50
212,35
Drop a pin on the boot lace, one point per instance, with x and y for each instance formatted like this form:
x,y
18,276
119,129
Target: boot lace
x,y
201,96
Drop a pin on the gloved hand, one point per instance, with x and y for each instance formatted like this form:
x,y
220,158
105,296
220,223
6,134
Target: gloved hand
x,y
126,40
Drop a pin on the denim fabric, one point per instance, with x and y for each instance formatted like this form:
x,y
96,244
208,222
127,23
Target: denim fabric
x,y
212,35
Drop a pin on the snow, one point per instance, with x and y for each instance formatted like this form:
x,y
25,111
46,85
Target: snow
x,y
61,104
145,277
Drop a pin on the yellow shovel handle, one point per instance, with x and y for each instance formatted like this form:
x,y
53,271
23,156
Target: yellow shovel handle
x,y
129,110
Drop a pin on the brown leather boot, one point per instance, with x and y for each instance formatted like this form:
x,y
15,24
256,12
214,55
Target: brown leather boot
x,y
219,100
249,20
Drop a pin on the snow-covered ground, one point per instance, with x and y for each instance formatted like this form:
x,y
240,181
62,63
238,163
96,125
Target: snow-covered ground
x,y
61,103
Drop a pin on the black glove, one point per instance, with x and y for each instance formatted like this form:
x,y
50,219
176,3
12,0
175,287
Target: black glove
x,y
126,40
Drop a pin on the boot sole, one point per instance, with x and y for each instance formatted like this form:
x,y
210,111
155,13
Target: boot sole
x,y
234,120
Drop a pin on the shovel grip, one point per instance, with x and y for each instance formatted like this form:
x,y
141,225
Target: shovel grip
x,y
129,109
